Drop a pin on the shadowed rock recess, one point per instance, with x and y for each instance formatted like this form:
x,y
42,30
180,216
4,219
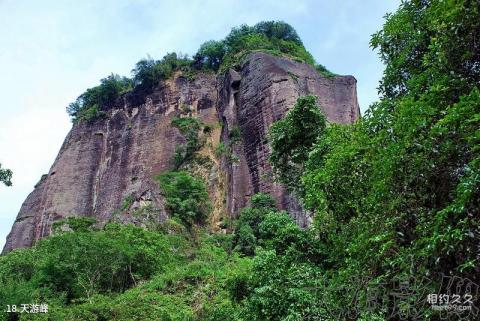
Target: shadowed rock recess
x,y
101,163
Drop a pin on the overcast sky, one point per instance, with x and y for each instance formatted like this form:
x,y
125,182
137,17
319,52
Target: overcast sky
x,y
51,51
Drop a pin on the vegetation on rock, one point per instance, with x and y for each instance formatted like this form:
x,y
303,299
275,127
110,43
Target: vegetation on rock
x,y
186,197
189,127
94,101
273,37
395,199
292,139
148,72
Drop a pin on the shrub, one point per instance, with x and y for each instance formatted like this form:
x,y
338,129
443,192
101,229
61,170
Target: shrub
x,y
77,223
186,197
5,176
77,265
185,124
149,72
247,227
127,202
264,202
189,127
292,138
235,135
220,150
245,240
324,71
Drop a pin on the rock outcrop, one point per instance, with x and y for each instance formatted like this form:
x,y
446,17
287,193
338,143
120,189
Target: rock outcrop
x,y
261,93
102,163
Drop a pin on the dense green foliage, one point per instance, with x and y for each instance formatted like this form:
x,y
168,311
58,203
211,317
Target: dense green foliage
x,y
6,176
247,226
273,37
395,200
92,103
128,273
189,127
148,72
186,197
293,137
396,196
123,273
286,271
72,267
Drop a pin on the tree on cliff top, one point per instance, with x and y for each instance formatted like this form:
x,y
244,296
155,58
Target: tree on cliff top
x,y
274,37
149,72
96,99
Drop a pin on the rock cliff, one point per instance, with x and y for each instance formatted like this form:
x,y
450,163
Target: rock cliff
x,y
105,162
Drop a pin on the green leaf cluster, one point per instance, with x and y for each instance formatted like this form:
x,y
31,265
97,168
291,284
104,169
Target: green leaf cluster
x,y
94,101
186,197
6,176
395,196
189,127
292,138
273,37
148,72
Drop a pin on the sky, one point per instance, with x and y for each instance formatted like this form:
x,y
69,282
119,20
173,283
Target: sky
x,y
51,51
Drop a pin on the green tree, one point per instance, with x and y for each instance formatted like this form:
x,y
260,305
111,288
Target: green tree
x,y
5,176
94,101
395,195
292,138
278,30
186,197
247,227
148,72
210,55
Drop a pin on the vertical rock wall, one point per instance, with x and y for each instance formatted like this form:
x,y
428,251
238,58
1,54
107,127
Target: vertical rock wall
x,y
102,163
260,93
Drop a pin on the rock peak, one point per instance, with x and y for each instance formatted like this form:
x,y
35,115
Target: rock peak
x,y
104,162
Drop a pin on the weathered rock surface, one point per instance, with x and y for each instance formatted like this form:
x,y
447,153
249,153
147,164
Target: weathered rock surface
x,y
261,93
102,163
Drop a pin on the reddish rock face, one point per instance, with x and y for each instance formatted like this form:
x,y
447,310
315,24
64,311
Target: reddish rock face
x,y
102,163
261,93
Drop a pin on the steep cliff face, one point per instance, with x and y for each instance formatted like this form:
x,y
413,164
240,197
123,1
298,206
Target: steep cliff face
x,y
256,96
104,162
